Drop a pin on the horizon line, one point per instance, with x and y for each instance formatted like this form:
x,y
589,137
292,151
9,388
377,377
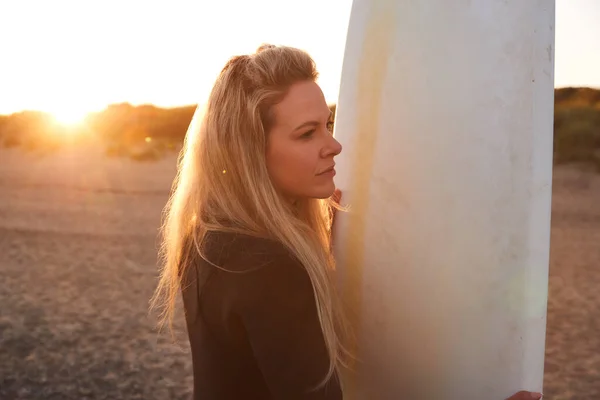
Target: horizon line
x,y
184,105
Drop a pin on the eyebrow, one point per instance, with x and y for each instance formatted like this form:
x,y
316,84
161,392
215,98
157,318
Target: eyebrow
x,y
311,123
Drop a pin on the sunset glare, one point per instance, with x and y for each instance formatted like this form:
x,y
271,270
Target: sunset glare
x,y
69,57
69,116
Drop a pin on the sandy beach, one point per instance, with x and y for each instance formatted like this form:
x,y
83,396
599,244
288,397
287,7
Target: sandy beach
x,y
78,239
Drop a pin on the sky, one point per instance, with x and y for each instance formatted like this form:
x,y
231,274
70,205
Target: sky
x,y
73,57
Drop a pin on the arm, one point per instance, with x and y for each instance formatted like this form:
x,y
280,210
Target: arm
x,y
278,310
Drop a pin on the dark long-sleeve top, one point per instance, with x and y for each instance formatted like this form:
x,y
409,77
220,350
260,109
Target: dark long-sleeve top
x,y
254,333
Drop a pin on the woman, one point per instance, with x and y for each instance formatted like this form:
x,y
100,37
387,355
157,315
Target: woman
x,y
247,236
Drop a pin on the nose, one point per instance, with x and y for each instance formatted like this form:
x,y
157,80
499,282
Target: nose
x,y
332,147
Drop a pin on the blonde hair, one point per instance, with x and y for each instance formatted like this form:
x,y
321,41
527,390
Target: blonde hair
x,y
222,176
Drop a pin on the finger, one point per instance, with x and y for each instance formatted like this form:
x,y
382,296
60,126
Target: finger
x,y
525,395
337,196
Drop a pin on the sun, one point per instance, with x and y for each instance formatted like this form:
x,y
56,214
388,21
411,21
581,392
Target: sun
x,y
69,116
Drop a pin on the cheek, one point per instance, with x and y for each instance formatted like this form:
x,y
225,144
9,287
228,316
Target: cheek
x,y
291,163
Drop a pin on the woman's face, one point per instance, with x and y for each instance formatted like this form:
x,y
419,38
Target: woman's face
x,y
300,146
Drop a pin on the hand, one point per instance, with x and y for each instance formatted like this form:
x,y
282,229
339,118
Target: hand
x,y
525,395
336,197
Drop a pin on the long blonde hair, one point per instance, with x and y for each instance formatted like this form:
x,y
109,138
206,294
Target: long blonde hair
x,y
222,176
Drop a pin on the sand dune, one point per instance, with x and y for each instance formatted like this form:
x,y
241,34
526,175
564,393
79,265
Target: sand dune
x,y
78,265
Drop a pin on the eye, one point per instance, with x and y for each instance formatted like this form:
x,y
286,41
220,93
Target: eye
x,y
307,134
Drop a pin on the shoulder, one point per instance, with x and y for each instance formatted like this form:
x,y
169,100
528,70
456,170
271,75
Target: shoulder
x,y
256,270
240,273
240,253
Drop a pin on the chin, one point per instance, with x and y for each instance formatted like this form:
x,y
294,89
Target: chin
x,y
323,192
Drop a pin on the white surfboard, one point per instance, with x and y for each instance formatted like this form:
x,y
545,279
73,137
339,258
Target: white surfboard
x,y
445,114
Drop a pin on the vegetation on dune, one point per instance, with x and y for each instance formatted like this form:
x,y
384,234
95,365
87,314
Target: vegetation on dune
x,y
147,132
577,126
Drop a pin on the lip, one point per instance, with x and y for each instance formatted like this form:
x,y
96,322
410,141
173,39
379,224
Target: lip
x,y
328,171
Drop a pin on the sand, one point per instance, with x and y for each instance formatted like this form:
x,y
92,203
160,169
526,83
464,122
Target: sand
x,y
78,239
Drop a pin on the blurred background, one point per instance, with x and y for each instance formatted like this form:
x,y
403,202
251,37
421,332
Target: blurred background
x,y
95,99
